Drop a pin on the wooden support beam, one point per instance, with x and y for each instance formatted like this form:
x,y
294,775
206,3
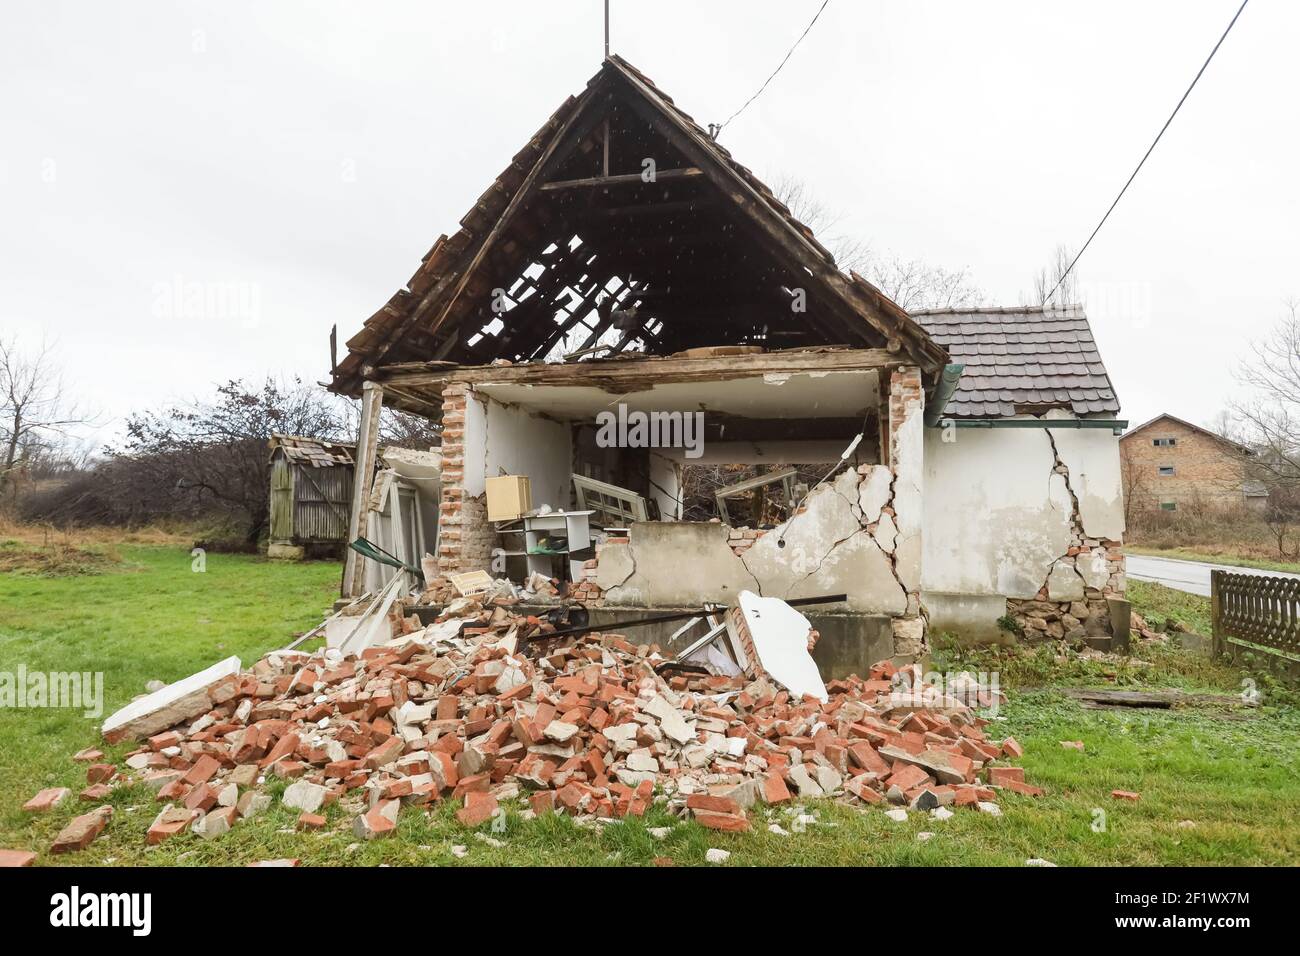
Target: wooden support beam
x,y
624,179
363,479
626,375
579,123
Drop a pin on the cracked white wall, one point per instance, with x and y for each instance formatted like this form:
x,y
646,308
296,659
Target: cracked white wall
x,y
830,548
998,515
858,534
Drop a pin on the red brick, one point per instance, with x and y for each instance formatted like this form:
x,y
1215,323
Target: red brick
x,y
542,802
46,799
727,822
479,808
1001,776
100,773
907,778
283,748
13,858
81,831
204,769
712,804
168,823
1126,795
385,753
774,788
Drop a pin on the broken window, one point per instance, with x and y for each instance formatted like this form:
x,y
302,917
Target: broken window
x,y
1166,470
753,495
1164,442
613,506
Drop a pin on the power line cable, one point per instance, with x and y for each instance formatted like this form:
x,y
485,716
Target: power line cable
x,y
716,128
1065,275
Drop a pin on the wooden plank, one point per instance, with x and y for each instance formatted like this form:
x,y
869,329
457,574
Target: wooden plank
x,y
623,179
577,125
636,373
775,228
1161,700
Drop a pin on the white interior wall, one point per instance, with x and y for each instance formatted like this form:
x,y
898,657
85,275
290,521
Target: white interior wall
x,y
666,486
509,440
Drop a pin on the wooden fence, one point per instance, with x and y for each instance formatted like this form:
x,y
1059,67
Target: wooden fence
x,y
1255,612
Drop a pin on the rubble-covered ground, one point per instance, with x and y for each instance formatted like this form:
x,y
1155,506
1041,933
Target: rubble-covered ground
x,y
1215,783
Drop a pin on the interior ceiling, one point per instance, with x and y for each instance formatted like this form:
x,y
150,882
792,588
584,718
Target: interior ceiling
x,y
847,394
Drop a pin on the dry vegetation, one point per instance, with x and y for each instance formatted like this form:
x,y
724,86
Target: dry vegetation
x,y
1236,537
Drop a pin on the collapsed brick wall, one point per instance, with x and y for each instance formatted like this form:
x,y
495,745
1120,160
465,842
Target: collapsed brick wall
x,y
587,590
1073,601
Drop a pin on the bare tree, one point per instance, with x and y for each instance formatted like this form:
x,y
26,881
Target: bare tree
x,y
915,286
1137,493
214,453
1267,423
911,283
35,413
1054,286
404,430
1269,417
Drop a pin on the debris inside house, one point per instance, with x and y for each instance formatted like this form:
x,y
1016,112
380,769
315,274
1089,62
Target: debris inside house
x,y
495,709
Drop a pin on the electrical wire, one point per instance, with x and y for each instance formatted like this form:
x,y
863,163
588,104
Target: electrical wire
x,y
716,128
1150,148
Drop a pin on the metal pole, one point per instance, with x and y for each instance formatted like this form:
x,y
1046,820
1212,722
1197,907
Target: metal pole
x,y
607,29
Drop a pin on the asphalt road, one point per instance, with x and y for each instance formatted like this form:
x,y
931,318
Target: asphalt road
x,y
1190,576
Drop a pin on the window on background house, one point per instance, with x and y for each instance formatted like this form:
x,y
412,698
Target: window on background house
x,y
1166,469
1168,506
1164,442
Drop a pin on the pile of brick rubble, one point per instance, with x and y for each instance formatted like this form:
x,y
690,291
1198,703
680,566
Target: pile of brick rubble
x,y
470,710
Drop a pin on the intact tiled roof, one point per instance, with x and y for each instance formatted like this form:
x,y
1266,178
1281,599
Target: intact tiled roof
x,y
1022,359
1166,417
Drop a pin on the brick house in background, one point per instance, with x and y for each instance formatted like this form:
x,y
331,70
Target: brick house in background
x,y
1170,464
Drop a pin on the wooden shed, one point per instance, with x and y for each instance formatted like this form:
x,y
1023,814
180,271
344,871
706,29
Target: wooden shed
x,y
311,496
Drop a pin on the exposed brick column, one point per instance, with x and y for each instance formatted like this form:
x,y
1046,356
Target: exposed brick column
x,y
904,389
906,446
450,529
465,537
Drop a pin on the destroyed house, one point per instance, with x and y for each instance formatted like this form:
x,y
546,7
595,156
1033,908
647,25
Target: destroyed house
x,y
626,305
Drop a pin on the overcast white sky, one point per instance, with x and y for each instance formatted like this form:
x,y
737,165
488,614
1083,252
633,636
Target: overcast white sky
x,y
301,157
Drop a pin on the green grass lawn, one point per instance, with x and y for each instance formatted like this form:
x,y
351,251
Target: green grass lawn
x,y
1233,771
1158,604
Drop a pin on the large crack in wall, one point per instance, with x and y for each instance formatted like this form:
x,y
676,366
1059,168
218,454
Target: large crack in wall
x,y
842,540
1072,601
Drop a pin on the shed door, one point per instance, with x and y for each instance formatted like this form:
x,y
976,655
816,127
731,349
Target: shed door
x,y
281,501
